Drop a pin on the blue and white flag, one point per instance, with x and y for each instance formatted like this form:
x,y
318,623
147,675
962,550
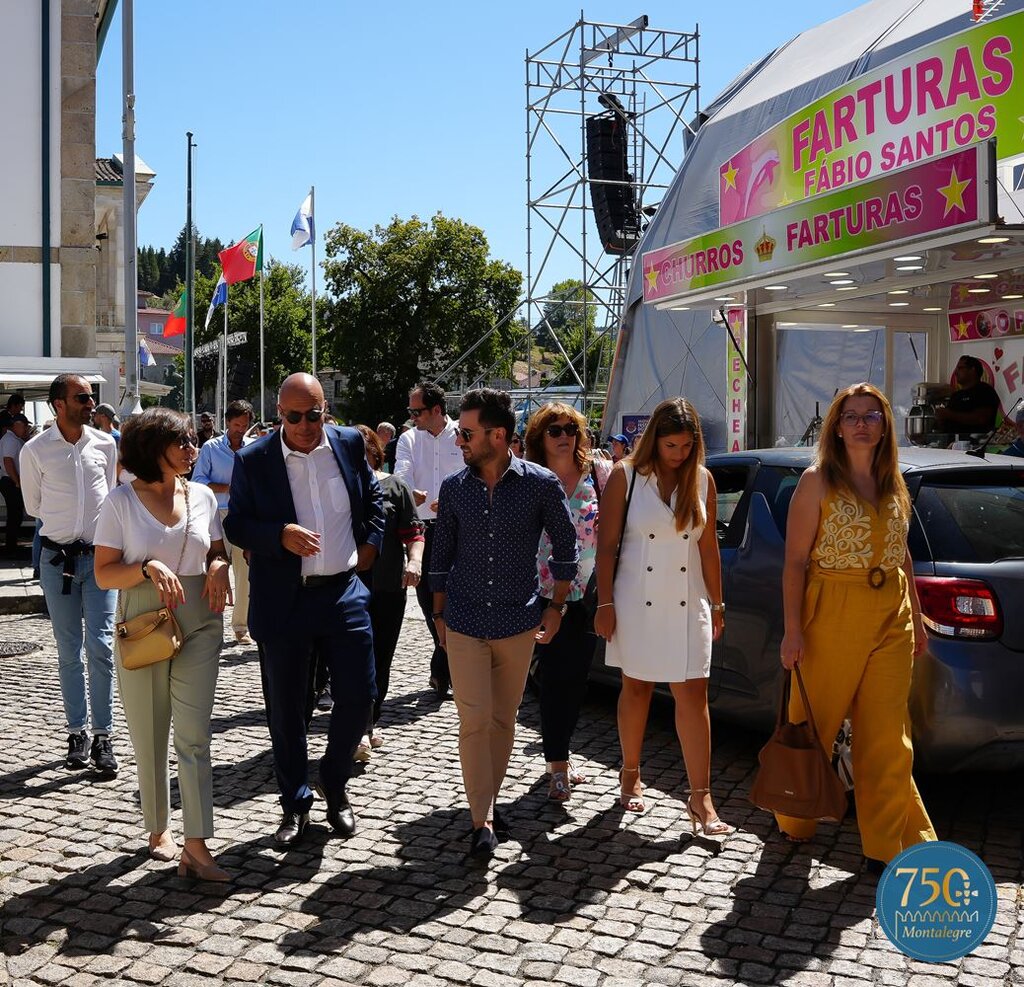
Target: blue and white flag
x,y
302,225
146,358
220,297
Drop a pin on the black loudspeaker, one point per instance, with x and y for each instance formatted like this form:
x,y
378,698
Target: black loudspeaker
x,y
615,212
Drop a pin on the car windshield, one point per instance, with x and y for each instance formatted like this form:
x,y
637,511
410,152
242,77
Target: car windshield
x,y
972,516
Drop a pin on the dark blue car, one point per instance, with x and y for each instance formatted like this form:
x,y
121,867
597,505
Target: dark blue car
x,y
967,543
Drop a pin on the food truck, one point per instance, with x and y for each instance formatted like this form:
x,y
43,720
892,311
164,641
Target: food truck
x,y
850,208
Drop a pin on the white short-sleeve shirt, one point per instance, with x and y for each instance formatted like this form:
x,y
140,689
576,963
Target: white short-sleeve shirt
x,y
126,524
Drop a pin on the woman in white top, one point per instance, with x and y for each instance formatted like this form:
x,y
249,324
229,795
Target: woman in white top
x,y
159,541
665,606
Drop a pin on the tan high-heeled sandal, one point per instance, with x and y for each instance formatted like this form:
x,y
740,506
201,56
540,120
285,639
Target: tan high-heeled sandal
x,y
631,799
190,867
709,827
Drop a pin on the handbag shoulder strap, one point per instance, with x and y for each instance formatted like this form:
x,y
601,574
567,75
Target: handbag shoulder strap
x,y
625,516
594,480
784,710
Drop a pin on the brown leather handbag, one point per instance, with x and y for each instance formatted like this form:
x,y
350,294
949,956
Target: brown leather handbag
x,y
152,636
795,777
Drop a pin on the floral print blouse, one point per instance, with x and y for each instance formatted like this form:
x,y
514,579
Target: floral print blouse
x,y
583,504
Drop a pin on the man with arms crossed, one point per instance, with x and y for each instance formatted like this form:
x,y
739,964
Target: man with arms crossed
x,y
425,456
306,505
66,473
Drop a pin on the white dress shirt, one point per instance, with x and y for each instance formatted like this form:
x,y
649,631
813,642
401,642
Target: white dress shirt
x,y
322,505
64,484
424,460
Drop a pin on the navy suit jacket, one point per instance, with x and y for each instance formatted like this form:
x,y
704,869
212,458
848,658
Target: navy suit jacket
x,y
261,504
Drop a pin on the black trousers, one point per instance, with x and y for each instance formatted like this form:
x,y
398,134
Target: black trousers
x,y
425,598
15,509
387,611
334,622
564,665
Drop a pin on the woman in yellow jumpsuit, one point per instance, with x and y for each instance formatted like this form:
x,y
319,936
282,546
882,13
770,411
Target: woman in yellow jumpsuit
x,y
852,617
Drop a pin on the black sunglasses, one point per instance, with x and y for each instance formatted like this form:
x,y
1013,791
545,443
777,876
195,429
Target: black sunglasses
x,y
188,441
468,433
294,417
415,412
557,431
81,397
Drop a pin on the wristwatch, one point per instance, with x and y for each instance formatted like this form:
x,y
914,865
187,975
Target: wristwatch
x,y
561,608
718,607
145,570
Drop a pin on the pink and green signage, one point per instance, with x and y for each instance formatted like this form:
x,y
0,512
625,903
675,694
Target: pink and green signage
x,y
939,196
951,94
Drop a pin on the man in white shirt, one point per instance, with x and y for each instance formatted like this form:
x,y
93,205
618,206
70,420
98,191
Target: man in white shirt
x,y
425,456
66,473
10,479
214,466
306,505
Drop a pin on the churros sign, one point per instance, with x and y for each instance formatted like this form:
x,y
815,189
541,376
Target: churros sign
x,y
938,196
958,91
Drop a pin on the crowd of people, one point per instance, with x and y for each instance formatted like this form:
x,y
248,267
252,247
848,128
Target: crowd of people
x,y
520,549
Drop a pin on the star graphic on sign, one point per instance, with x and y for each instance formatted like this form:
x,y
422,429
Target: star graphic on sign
x,y
962,329
953,193
652,279
730,176
962,291
785,200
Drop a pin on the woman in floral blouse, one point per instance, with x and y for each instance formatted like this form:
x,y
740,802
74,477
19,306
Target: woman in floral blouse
x,y
557,439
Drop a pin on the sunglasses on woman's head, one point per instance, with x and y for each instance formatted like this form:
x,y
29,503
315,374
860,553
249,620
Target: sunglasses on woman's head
x,y
294,417
557,431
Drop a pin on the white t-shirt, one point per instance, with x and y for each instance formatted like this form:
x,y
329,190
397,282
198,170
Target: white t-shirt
x,y
125,524
10,448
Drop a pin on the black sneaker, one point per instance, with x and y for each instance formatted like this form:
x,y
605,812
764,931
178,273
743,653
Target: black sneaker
x,y
78,757
102,756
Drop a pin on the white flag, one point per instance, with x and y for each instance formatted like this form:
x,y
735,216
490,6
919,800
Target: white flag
x,y
302,225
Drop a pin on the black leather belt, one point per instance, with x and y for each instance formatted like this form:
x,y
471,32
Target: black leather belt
x,y
334,579
66,554
428,522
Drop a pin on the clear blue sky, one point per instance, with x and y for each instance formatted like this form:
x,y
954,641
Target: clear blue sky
x,y
387,108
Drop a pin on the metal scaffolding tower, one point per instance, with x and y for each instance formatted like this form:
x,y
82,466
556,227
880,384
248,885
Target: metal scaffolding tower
x,y
644,82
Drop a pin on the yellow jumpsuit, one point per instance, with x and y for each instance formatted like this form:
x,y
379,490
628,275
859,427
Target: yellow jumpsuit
x,y
858,660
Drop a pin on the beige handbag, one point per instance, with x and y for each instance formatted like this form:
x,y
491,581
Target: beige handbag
x,y
154,635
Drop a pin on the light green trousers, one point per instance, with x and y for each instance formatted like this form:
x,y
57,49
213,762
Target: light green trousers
x,y
180,691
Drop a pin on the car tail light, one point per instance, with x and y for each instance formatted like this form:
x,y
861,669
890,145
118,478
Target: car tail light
x,y
963,608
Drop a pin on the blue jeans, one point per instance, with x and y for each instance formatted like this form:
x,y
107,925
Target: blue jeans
x,y
96,607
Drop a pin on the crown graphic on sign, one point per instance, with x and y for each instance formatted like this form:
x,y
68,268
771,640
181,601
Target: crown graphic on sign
x,y
765,246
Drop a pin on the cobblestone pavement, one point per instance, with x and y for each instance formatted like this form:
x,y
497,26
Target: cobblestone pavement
x,y
581,895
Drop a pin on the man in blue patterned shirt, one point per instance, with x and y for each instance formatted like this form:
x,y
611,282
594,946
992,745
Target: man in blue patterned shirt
x,y
487,606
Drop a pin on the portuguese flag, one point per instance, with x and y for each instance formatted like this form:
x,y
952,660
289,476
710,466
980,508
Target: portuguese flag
x,y
175,325
244,259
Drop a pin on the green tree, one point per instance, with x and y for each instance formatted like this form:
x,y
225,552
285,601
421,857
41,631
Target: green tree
x,y
403,302
570,315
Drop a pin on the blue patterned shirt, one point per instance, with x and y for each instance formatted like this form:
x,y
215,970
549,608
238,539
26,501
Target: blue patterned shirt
x,y
484,553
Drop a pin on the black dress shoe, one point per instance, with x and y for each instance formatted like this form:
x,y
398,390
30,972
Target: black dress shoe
x,y
340,816
501,830
440,686
293,825
484,843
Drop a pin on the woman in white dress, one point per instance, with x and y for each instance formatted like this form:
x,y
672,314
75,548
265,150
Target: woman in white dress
x,y
159,541
661,607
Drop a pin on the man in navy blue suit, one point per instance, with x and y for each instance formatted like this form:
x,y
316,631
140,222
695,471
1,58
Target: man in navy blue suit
x,y
306,505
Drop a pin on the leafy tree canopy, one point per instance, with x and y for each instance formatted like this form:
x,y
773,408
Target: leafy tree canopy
x,y
403,302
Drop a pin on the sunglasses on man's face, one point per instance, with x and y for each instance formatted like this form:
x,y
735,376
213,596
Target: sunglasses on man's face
x,y
82,397
466,434
294,417
557,431
415,412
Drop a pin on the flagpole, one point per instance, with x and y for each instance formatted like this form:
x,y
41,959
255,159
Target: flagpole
x,y
224,379
312,273
263,380
190,284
